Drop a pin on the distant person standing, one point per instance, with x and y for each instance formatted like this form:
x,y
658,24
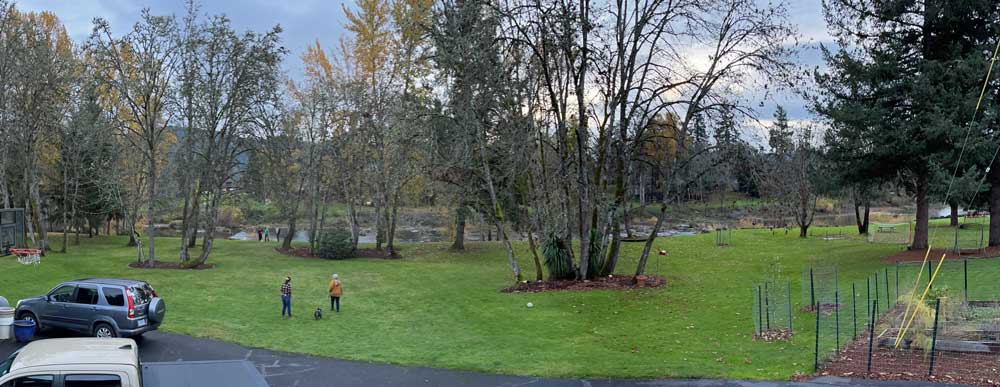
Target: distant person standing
x,y
286,297
277,236
336,290
267,234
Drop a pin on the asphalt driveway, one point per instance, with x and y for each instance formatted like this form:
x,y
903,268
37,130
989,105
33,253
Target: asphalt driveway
x,y
291,370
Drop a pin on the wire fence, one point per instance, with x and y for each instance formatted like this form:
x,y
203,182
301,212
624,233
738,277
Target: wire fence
x,y
895,323
772,310
903,326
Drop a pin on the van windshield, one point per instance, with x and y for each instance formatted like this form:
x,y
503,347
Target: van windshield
x,y
7,363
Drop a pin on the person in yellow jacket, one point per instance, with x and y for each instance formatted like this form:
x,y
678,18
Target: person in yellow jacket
x,y
336,290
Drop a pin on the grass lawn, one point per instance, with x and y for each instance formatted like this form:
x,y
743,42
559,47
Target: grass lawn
x,y
443,309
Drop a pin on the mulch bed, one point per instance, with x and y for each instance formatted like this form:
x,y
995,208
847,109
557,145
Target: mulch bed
x,y
772,335
616,282
981,369
918,255
169,265
306,252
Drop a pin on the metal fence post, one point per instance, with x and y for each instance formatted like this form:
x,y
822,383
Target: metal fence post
x,y
887,299
854,309
790,330
812,288
876,285
836,302
868,295
965,276
871,336
937,313
816,354
929,284
897,279
760,309
767,306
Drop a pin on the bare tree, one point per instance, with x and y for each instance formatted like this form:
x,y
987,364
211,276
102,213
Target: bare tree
x,y
140,68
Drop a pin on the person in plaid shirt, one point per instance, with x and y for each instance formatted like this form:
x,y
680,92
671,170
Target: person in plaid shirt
x,y
286,297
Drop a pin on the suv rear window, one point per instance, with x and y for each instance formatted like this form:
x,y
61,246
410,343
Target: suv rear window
x,y
142,294
114,296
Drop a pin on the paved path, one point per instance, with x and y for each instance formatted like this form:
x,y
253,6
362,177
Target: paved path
x,y
291,370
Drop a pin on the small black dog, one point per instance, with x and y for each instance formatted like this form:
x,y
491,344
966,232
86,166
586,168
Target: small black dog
x,y
318,314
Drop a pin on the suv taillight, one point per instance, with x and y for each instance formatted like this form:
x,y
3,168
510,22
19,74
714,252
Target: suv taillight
x,y
131,304
154,293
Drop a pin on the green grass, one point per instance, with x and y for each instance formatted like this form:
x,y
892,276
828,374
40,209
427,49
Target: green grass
x,y
443,309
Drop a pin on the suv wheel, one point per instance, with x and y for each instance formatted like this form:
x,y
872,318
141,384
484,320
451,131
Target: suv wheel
x,y
28,316
103,330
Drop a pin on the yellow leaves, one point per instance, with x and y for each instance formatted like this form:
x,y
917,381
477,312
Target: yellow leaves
x,y
372,35
317,66
661,138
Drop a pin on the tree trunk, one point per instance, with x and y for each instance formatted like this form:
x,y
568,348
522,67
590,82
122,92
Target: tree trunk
x,y
534,254
390,239
641,268
287,243
921,228
352,215
37,217
185,218
195,221
861,220
803,231
994,178
213,218
151,208
65,212
954,213
460,215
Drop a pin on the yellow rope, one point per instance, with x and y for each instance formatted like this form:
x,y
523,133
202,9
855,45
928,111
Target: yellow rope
x,y
913,292
899,338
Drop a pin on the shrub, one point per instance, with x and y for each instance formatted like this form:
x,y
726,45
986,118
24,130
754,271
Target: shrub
x,y
558,258
598,257
335,244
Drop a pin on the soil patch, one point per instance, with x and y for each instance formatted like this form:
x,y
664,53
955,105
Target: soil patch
x,y
918,255
982,369
169,265
602,283
306,252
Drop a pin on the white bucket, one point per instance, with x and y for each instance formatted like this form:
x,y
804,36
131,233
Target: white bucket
x,y
6,323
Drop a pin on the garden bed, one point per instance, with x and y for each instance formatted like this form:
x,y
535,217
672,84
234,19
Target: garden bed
x,y
615,282
169,265
982,369
306,252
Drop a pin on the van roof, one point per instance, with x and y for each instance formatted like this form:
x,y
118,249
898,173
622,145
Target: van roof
x,y
75,351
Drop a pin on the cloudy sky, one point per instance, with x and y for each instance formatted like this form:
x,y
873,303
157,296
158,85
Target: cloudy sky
x,y
305,21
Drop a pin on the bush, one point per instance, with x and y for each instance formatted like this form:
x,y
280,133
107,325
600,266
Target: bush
x,y
334,244
558,258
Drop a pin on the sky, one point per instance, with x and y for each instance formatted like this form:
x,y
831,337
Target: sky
x,y
306,21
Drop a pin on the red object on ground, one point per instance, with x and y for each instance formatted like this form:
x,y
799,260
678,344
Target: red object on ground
x,y
663,252
25,252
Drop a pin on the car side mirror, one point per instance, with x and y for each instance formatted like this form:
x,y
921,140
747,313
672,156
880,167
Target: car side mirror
x,y
48,298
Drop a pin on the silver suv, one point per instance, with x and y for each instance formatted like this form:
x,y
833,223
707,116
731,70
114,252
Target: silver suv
x,y
102,307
